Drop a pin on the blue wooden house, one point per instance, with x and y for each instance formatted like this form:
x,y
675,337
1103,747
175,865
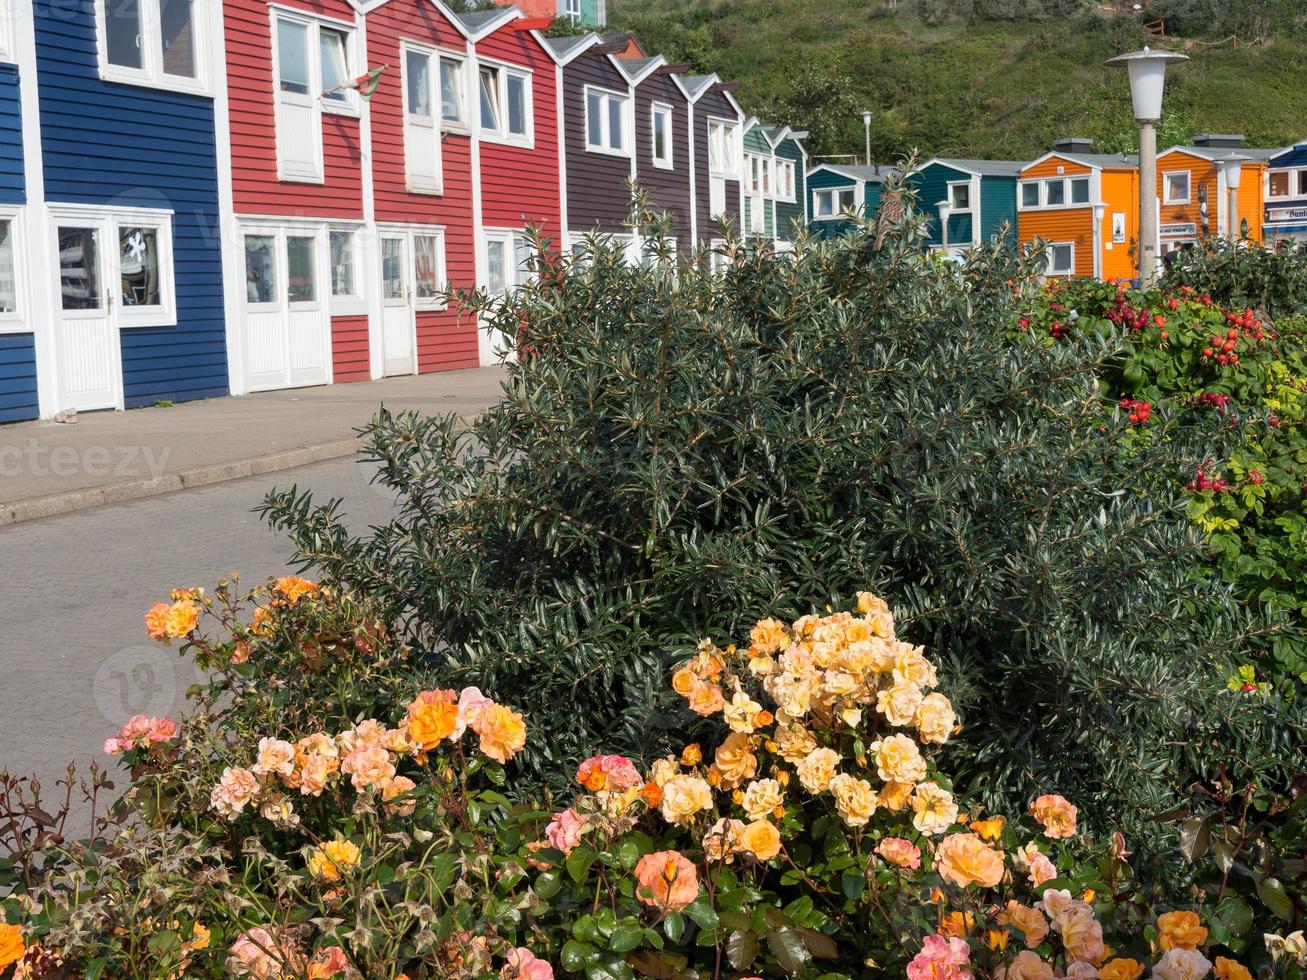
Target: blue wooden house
x,y
111,238
966,202
1286,196
836,190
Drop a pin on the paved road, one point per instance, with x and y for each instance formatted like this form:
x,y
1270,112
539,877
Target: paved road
x,y
75,659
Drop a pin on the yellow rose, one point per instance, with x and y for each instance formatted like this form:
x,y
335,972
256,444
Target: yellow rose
x,y
935,719
817,769
683,797
1121,968
502,732
735,761
761,797
911,667
761,839
768,636
869,602
933,809
741,713
965,859
894,797
11,944
899,704
793,742
332,859
663,770
855,800
898,760
1180,930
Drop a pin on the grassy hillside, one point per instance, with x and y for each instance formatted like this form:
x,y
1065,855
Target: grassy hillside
x,y
976,86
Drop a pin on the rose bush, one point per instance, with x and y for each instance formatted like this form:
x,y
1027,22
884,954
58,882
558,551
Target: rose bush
x,y
284,830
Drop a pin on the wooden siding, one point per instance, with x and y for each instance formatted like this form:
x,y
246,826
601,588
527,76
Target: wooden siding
x,y
998,209
789,214
931,184
1252,200
1202,174
669,190
256,188
129,146
834,227
349,349
597,194
520,186
713,105
12,189
17,377
1075,225
445,340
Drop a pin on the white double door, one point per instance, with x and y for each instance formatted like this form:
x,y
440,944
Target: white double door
x,y
286,311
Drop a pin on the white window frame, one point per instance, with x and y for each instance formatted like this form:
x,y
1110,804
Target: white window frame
x,y
1043,183
953,187
502,72
355,303
428,304
1167,196
837,212
150,41
570,10
463,123
1051,251
7,31
664,111
18,320
511,239
607,95
1297,177
313,99
730,144
783,181
415,183
115,219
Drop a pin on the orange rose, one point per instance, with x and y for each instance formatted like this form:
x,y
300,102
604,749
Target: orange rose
x,y
1180,930
957,924
156,622
761,839
667,881
990,830
432,718
1056,814
502,732
1121,968
1228,969
11,944
706,699
965,859
735,761
293,587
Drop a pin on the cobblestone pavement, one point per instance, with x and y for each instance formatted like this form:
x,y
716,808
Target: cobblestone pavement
x,y
75,659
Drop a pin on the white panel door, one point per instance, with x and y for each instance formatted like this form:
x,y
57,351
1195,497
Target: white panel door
x,y
308,325
397,316
284,316
88,353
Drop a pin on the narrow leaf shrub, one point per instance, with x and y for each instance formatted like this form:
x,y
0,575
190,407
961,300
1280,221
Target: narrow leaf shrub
x,y
1273,281
680,453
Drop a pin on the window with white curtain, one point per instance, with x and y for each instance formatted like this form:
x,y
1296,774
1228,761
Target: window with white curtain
x,y
505,95
311,61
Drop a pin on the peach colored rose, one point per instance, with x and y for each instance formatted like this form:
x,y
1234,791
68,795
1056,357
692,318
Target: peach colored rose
x,y
965,859
895,797
368,766
722,841
706,698
900,851
933,809
1031,922
312,776
666,880
735,761
1056,814
1181,964
234,791
761,839
161,730
524,965
396,788
1082,935
1026,966
683,798
899,704
327,963
502,732
762,797
817,770
935,719
794,743
741,713
855,800
276,758
768,636
899,760
608,773
471,702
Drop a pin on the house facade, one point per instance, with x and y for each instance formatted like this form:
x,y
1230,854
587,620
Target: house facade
x,y
833,191
1285,214
1084,206
775,198
717,148
966,202
1191,186
662,143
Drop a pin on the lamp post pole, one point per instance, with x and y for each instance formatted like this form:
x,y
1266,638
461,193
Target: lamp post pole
x,y
866,128
1232,168
1147,70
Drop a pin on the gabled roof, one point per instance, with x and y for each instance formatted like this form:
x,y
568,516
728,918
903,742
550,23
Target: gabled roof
x,y
866,175
1095,161
1214,153
1299,147
978,168
637,70
696,85
564,49
477,24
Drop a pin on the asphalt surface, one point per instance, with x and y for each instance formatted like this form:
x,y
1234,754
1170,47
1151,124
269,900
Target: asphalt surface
x,y
76,662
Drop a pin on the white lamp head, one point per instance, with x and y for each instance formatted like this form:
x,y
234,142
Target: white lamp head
x,y
1232,168
1147,79
866,117
1099,211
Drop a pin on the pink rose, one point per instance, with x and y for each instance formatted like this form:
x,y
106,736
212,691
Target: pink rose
x,y
112,747
941,959
900,851
523,965
161,730
608,773
564,831
470,704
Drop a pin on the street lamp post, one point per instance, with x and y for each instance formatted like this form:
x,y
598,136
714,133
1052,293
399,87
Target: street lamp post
x,y
866,127
1232,168
1147,80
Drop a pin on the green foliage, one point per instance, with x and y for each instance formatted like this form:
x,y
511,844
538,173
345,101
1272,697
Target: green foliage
x,y
1273,281
1194,357
991,79
679,454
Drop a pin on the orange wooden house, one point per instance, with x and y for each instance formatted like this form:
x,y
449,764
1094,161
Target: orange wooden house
x,y
1084,206
1194,199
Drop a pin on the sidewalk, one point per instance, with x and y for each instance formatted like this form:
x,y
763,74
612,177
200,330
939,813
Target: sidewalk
x,y
49,468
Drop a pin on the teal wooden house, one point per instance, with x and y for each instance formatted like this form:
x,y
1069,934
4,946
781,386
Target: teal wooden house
x,y
775,185
835,190
966,202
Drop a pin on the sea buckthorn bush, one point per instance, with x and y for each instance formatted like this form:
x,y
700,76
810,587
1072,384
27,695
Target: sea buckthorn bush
x,y
1247,373
811,834
682,451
